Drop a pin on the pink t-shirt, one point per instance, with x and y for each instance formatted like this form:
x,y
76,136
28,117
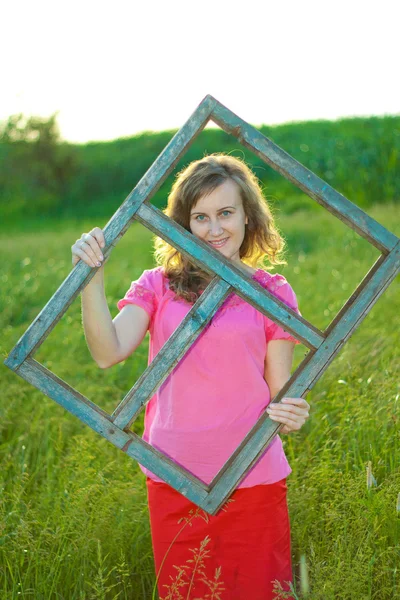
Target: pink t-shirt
x,y
213,397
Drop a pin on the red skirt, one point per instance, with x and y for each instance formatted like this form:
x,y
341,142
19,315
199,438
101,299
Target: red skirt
x,y
236,554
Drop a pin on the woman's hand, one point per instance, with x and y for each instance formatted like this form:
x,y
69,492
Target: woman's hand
x,y
88,248
292,412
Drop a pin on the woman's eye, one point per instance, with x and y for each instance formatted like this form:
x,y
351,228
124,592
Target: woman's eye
x,y
224,213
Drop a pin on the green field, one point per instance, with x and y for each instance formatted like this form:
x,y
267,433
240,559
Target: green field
x,y
74,521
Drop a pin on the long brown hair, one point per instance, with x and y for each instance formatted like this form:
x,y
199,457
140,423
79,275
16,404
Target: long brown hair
x,y
261,241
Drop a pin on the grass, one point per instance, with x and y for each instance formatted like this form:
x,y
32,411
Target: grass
x,y
74,522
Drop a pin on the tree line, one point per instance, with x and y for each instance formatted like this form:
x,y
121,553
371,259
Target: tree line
x,y
42,175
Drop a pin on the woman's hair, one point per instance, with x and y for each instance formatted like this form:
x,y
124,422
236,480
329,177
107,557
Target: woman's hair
x,y
201,177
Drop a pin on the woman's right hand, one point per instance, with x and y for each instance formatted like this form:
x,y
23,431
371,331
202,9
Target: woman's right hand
x,y
88,248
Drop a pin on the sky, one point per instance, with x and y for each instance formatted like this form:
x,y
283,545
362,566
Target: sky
x,y
115,69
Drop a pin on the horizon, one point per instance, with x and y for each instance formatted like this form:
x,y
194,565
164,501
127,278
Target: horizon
x,y
210,125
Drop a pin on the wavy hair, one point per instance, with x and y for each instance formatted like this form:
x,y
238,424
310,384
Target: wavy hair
x,y
262,239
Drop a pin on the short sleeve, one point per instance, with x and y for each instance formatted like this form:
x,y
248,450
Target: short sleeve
x,y
144,292
277,285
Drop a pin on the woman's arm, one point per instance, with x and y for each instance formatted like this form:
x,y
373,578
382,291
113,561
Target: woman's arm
x,y
292,412
109,340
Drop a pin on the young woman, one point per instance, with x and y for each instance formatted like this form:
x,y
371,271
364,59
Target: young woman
x,y
216,393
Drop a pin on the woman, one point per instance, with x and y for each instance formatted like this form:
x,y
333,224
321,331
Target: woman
x,y
216,393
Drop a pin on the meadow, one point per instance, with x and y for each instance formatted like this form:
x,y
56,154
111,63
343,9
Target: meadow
x,y
74,522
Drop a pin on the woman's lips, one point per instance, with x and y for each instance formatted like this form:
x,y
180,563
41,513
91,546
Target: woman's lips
x,y
219,243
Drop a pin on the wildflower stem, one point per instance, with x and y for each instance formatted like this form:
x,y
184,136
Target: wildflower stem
x,y
198,558
166,554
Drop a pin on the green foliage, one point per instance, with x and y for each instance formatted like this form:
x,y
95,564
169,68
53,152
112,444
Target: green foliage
x,y
74,522
35,167
40,177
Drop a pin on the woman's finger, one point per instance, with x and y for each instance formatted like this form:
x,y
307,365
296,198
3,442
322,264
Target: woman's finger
x,y
85,247
79,252
285,429
286,409
285,418
293,425
98,234
288,416
88,248
92,249
90,245
296,401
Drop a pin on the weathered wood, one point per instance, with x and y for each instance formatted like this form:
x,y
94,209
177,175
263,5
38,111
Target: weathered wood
x,y
98,420
158,171
213,261
81,275
49,316
324,346
261,435
303,178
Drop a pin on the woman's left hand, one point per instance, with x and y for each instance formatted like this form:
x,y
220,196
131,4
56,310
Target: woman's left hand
x,y
292,412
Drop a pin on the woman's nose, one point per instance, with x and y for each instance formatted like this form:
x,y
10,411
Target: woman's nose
x,y
215,228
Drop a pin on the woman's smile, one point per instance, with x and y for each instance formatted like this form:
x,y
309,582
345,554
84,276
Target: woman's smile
x,y
218,243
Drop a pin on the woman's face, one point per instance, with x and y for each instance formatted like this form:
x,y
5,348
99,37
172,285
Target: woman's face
x,y
219,219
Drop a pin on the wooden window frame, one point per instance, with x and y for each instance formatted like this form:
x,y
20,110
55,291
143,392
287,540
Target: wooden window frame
x,y
323,345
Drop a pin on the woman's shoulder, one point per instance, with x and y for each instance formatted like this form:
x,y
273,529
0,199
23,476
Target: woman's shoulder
x,y
278,285
271,280
157,271
264,277
152,279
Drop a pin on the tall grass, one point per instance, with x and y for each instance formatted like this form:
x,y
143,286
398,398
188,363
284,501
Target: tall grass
x,y
74,520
